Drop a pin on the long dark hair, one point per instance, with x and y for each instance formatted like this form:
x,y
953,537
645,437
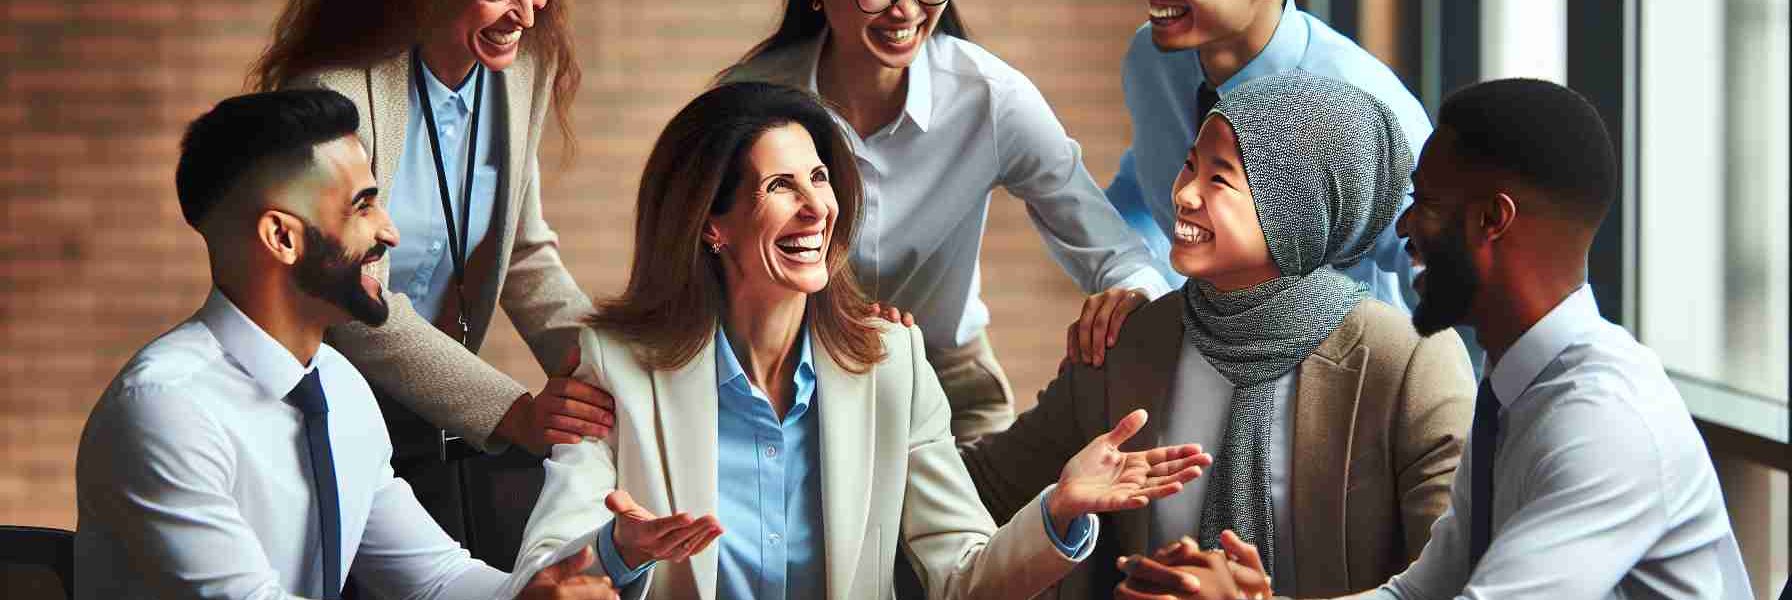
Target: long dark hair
x,y
675,286
800,24
320,34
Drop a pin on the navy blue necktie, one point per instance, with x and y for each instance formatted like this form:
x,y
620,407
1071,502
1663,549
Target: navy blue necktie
x,y
309,395
1485,440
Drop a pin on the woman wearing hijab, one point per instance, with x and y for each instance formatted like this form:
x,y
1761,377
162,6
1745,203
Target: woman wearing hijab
x,y
937,122
454,97
1338,427
761,407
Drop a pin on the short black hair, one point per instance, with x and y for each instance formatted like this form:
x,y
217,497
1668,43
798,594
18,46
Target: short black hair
x,y
1547,135
246,143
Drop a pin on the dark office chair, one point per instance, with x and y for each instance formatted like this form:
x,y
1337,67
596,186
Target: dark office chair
x,y
44,547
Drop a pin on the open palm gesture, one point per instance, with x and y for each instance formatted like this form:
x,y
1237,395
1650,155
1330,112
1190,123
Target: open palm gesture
x,y
1104,478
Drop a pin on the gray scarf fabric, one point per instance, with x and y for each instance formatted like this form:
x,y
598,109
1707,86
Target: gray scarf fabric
x,y
1327,166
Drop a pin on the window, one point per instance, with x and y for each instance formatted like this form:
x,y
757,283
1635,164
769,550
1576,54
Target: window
x,y
1711,203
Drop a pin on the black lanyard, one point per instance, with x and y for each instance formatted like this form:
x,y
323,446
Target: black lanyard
x,y
457,237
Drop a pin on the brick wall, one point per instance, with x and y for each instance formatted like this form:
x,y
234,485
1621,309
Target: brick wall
x,y
95,260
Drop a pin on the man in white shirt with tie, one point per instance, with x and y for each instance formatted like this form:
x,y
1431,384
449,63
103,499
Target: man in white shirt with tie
x,y
1584,476
237,456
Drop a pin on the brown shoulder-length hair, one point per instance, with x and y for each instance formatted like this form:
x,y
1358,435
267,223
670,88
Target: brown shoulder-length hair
x,y
674,295
319,34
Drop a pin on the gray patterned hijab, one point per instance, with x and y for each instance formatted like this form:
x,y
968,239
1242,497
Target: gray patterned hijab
x,y
1327,166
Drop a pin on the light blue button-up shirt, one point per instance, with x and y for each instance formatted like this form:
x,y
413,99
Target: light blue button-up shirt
x,y
768,493
768,497
1160,93
422,267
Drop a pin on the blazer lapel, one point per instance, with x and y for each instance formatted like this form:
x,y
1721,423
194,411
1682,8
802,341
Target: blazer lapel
x,y
848,442
1324,425
518,103
685,403
1139,374
389,91
519,110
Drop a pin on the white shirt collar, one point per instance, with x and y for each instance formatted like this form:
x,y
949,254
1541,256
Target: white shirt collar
x,y
273,368
918,107
1540,344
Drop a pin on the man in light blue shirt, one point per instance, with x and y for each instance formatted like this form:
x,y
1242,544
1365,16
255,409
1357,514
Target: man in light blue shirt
x,y
1215,47
769,490
1178,66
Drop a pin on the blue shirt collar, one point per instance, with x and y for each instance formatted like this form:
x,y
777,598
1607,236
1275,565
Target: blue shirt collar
x,y
1286,48
270,365
1542,343
729,373
918,107
461,99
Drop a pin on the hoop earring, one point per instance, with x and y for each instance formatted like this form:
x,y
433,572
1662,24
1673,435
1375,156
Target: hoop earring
x,y
815,5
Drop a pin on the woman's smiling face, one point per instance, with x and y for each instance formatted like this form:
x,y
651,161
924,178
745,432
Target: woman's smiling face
x,y
892,38
1218,238
492,30
774,239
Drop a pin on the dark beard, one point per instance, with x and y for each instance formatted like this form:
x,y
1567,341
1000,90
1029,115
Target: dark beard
x,y
1450,284
328,273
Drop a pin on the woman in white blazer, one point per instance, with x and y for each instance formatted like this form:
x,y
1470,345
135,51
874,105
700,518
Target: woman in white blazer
x,y
760,406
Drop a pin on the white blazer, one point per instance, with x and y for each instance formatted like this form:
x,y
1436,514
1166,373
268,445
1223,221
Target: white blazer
x,y
891,477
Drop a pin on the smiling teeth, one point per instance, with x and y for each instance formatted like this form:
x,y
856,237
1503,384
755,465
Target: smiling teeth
x,y
1188,233
900,35
801,243
1167,12
504,39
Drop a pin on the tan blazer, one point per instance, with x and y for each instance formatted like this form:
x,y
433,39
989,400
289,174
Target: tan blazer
x,y
409,359
1380,417
890,471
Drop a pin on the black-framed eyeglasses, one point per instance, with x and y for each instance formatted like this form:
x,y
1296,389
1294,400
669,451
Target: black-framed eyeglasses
x,y
872,7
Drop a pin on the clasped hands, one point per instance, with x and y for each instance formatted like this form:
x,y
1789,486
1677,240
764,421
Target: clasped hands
x,y
1183,571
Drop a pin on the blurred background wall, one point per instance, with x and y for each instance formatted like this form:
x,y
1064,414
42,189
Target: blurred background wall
x,y
95,260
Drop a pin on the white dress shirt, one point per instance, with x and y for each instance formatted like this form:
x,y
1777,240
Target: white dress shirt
x,y
970,123
1602,485
1200,406
193,479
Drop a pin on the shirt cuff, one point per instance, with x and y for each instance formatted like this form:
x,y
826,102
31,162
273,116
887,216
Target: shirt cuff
x,y
1077,539
1146,280
620,574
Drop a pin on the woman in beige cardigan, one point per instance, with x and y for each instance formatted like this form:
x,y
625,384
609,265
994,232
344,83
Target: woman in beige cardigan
x,y
761,407
492,69
1336,428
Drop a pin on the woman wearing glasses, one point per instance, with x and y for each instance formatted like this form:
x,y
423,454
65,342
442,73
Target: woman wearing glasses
x,y
453,97
937,123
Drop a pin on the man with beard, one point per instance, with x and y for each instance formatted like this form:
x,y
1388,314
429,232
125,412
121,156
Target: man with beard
x,y
238,456
1585,476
